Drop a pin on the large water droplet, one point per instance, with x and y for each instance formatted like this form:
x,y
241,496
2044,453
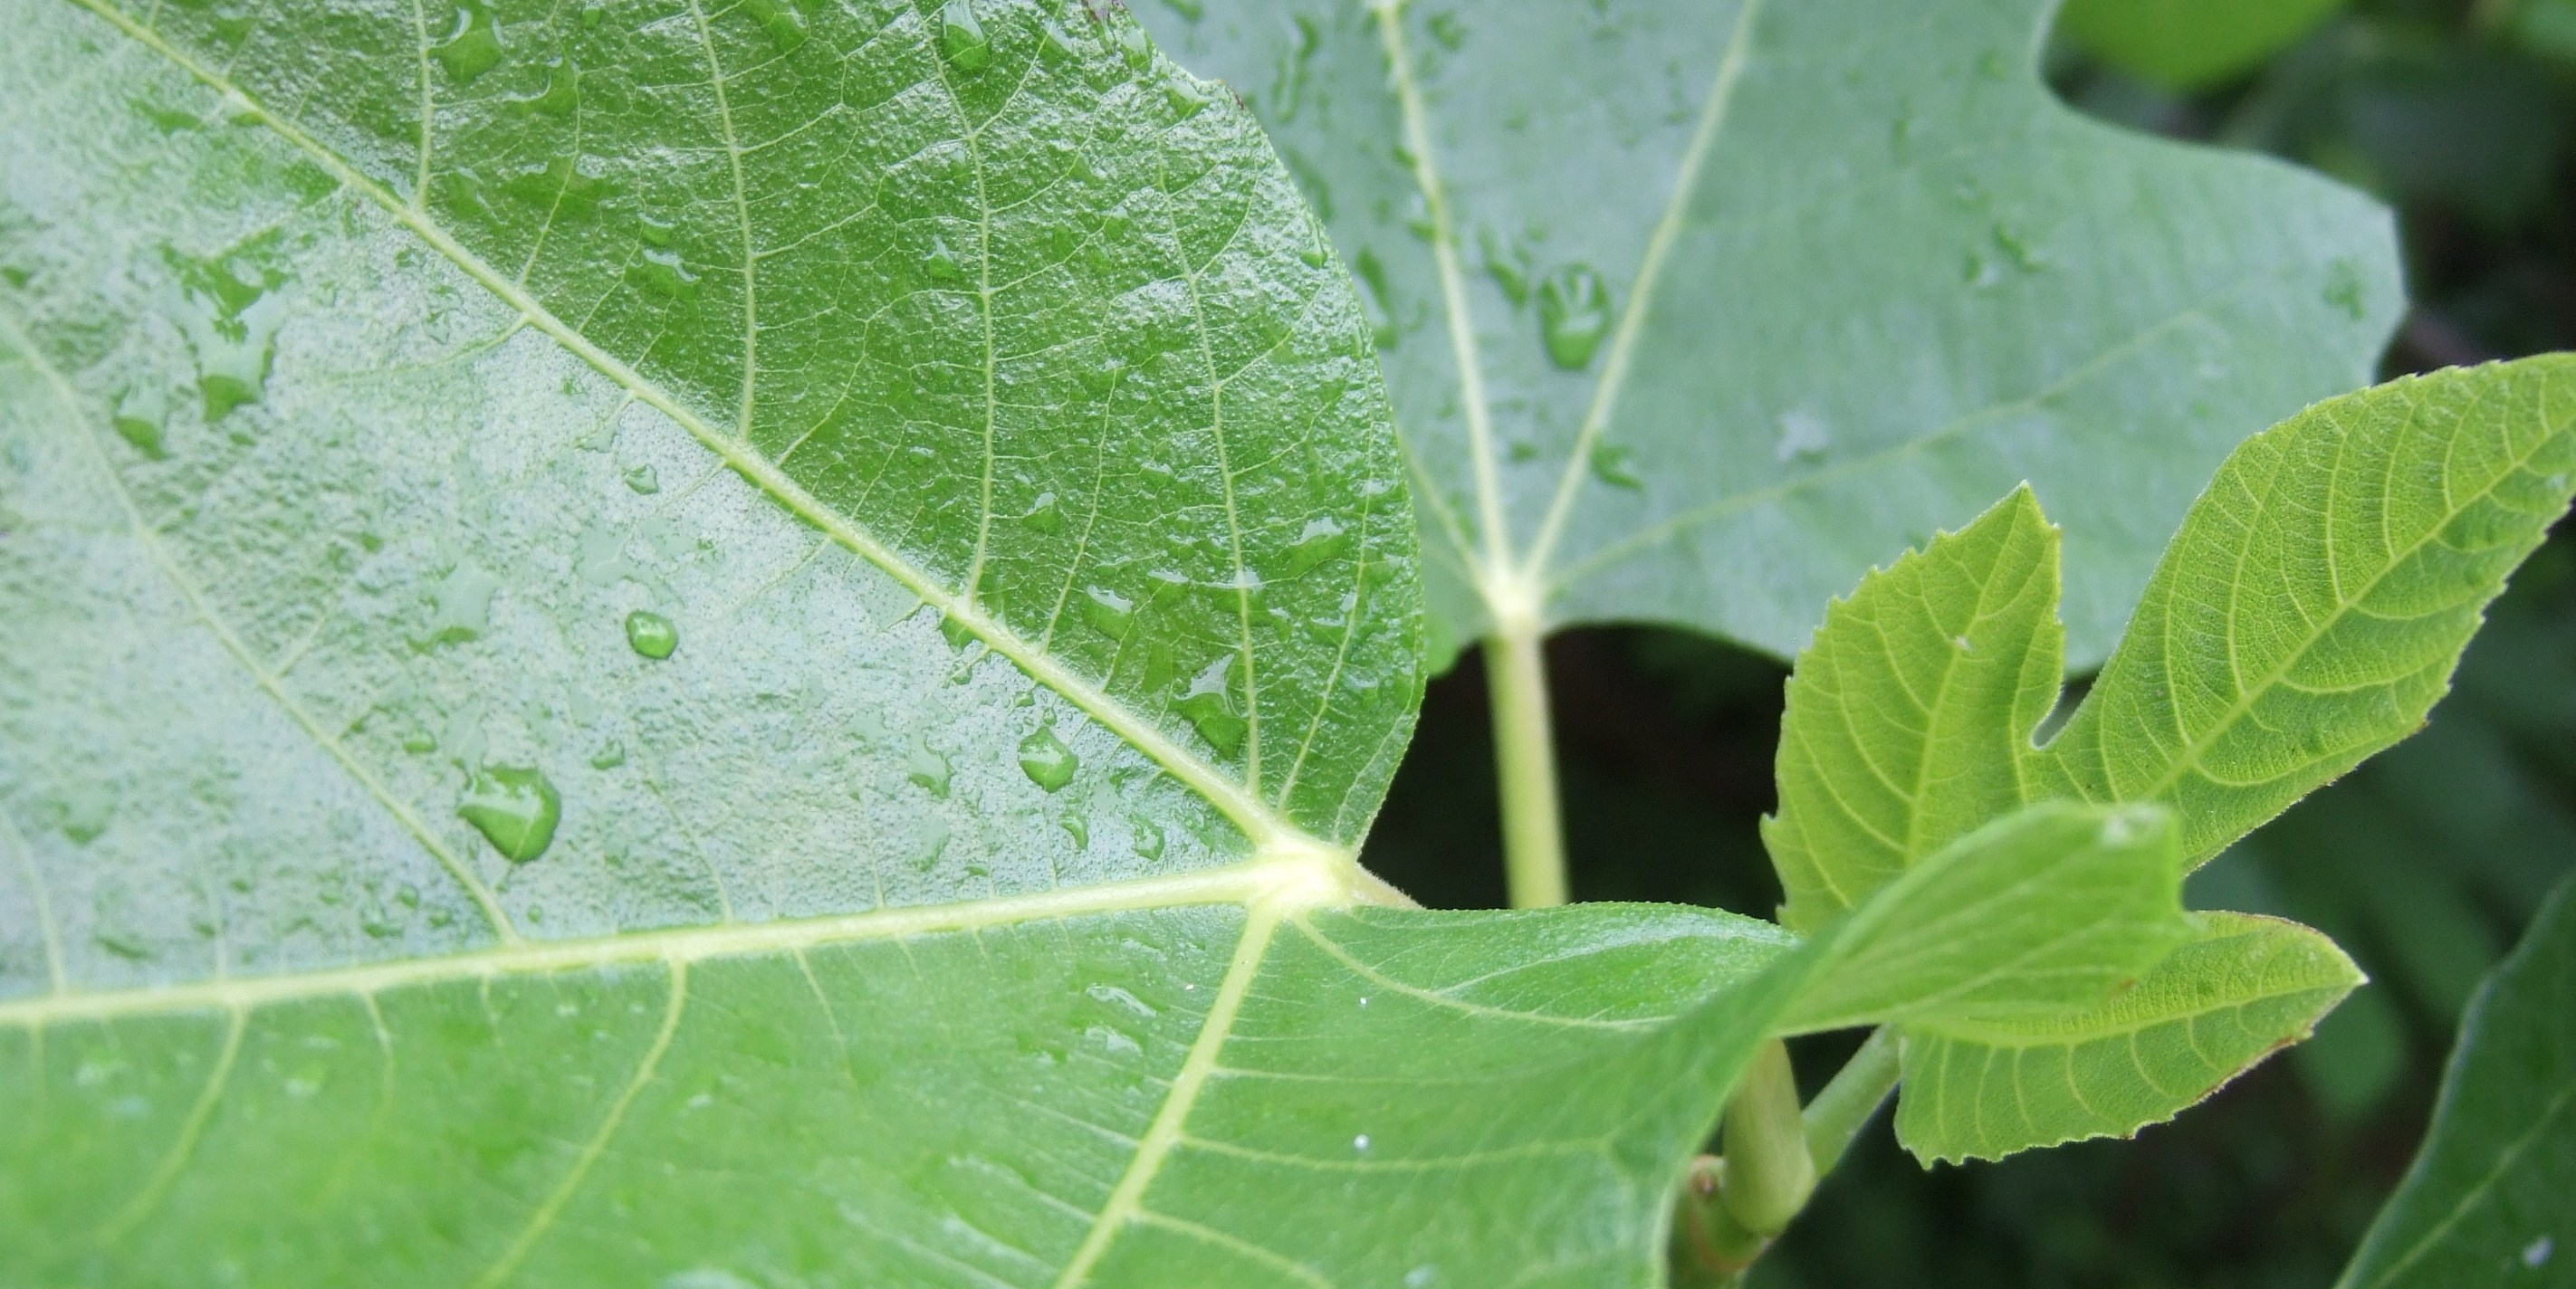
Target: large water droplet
x,y
1046,760
473,42
1804,436
1109,613
514,807
643,480
1378,301
663,273
780,21
1573,315
941,264
562,94
1615,464
1323,539
928,770
651,634
1209,703
460,606
1507,260
232,324
141,414
1149,839
961,38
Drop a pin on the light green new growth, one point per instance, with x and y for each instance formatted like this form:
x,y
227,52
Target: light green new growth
x,y
2308,614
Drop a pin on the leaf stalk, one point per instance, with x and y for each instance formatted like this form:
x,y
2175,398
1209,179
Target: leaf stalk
x,y
1525,764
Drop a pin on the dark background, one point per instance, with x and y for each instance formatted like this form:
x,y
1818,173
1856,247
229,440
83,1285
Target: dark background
x,y
2425,863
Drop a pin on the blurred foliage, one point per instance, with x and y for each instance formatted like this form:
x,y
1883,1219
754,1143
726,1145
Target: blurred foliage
x,y
2425,863
2187,44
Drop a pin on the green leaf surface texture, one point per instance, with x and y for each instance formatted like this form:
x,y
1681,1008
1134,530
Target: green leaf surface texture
x,y
2486,1201
2241,989
1694,312
2186,44
654,646
2308,614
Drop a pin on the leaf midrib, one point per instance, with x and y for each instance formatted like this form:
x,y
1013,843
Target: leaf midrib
x,y
1270,831
1294,882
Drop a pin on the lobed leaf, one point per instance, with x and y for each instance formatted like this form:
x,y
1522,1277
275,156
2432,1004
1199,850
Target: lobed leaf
x,y
2486,1200
1691,311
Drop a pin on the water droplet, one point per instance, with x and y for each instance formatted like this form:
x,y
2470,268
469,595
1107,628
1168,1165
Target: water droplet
x,y
1078,828
141,413
663,273
941,263
460,606
1507,261
1045,516
1364,1000
1046,760
82,812
643,480
1120,998
2017,245
2344,289
514,807
473,42
1615,464
928,770
125,945
1209,704
2535,1255
420,742
1186,100
1134,45
1149,839
1979,272
1315,254
961,38
232,323
651,634
954,630
1421,1275
1804,436
562,94
1377,302
610,755
1322,540
780,21
1360,1142
655,232
1573,315
1109,613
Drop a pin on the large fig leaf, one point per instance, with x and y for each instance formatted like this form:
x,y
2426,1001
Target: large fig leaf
x,y
2486,1202
1693,310
2308,614
653,647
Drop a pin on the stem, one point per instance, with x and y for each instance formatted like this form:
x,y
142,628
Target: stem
x,y
1769,1173
1846,1105
1525,764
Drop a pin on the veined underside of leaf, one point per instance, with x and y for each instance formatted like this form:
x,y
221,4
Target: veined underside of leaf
x,y
655,645
1694,312
2308,614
